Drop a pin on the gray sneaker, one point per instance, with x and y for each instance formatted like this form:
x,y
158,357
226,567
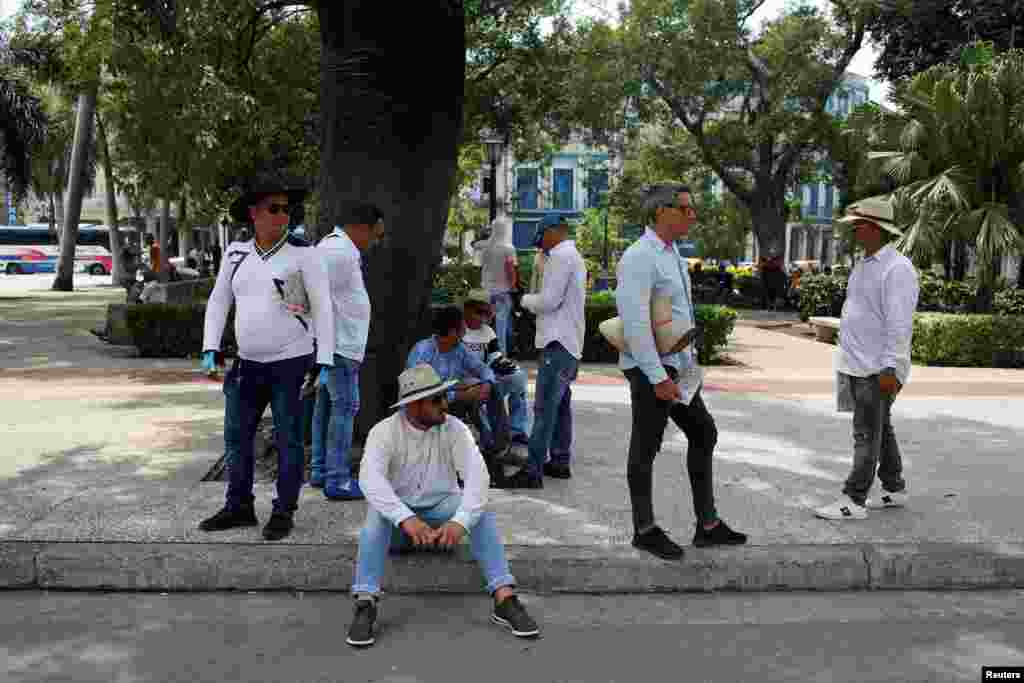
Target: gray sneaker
x,y
364,624
512,615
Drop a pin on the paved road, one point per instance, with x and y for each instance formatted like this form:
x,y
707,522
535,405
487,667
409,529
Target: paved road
x,y
285,637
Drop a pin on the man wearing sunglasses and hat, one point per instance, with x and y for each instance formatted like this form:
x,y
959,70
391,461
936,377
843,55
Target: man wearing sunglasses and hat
x,y
409,474
272,281
873,358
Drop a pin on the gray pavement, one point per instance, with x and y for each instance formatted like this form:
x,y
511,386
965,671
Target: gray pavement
x,y
99,481
86,637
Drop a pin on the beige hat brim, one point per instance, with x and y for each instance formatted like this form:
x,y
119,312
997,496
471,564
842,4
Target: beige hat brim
x,y
885,225
667,338
426,393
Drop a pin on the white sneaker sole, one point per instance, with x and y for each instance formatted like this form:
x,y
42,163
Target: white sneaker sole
x,y
839,516
886,503
361,643
519,634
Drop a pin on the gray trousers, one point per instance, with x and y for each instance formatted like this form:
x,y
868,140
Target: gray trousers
x,y
874,442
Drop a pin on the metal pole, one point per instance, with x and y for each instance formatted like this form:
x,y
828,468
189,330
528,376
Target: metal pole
x,y
494,188
606,238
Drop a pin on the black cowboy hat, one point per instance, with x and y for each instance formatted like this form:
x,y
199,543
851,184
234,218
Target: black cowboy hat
x,y
263,184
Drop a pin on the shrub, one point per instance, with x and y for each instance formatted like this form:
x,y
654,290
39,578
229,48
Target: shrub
x,y
822,295
1010,302
453,282
718,323
984,341
749,286
173,330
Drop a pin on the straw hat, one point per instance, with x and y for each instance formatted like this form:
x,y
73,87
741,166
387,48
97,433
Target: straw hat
x,y
879,210
420,382
668,333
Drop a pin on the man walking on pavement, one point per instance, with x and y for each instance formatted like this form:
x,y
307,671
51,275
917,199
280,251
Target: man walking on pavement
x,y
409,474
272,281
559,307
499,275
873,358
337,402
653,266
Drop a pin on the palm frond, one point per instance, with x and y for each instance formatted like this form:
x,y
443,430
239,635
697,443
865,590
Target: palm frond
x,y
996,232
948,187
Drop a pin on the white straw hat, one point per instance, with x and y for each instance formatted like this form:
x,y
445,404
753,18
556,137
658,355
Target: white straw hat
x,y
668,333
878,210
419,382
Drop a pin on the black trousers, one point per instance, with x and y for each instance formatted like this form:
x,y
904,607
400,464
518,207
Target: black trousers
x,y
650,417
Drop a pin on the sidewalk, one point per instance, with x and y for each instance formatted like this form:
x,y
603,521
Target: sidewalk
x,y
99,484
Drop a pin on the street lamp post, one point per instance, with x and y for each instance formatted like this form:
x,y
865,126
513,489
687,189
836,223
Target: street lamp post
x,y
494,149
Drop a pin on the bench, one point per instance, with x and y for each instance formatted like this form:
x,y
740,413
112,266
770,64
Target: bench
x,y
825,329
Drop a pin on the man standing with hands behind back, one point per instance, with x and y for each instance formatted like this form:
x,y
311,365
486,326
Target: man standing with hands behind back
x,y
873,358
652,266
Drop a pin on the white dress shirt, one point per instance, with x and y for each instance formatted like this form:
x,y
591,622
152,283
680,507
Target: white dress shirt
x,y
560,303
348,294
878,316
404,467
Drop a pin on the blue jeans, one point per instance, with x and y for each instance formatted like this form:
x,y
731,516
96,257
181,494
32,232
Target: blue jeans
x,y
514,387
378,535
248,388
337,404
552,411
502,302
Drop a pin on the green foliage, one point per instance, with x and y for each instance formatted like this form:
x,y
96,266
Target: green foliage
x,y
983,341
1010,302
172,330
452,282
596,349
939,294
822,295
718,323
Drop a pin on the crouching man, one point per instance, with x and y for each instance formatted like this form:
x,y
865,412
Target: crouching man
x,y
409,476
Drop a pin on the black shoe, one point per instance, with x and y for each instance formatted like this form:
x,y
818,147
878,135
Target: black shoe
x,y
229,519
512,615
658,543
279,526
557,471
720,535
522,480
364,624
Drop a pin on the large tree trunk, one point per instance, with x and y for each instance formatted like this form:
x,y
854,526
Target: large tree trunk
x,y
116,242
184,232
769,218
64,281
384,142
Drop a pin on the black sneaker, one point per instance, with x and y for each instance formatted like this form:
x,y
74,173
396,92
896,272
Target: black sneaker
x,y
720,535
511,614
279,526
522,480
658,543
364,624
229,519
557,471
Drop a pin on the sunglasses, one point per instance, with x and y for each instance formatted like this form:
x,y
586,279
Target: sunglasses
x,y
278,208
439,400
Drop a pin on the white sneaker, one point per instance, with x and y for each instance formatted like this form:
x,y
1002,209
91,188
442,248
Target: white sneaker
x,y
888,500
844,508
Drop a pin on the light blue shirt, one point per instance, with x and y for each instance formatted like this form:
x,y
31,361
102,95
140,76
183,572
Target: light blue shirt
x,y
650,268
459,363
348,294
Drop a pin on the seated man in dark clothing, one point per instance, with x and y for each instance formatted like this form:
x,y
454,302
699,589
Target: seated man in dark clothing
x,y
451,360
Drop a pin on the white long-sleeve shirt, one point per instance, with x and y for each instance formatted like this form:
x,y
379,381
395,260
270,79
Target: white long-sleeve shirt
x,y
878,316
348,293
561,301
267,331
405,467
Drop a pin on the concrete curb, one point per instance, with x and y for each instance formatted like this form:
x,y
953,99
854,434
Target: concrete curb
x,y
542,569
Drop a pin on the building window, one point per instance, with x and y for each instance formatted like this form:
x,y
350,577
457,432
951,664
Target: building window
x,y
829,200
812,206
597,185
563,189
526,188
522,234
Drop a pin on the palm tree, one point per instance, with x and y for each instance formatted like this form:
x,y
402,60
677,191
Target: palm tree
x,y
957,154
22,118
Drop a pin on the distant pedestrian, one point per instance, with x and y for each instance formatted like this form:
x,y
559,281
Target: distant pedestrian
x,y
652,265
559,307
499,275
274,282
337,402
410,475
873,358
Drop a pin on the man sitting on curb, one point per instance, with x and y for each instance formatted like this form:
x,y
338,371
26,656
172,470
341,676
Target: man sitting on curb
x,y
482,341
445,352
409,478
873,358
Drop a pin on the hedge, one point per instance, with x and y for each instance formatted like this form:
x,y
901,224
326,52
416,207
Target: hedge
x,y
981,341
173,330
